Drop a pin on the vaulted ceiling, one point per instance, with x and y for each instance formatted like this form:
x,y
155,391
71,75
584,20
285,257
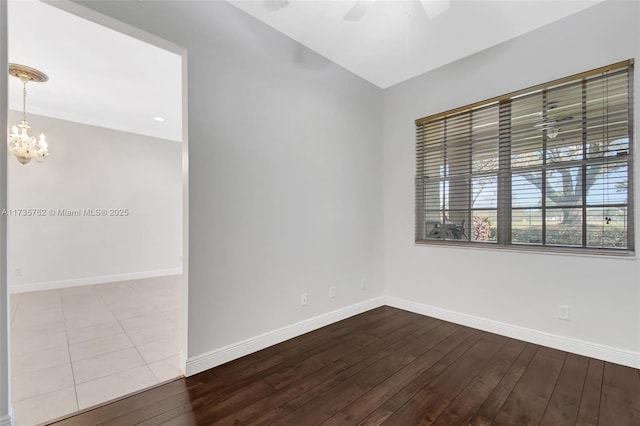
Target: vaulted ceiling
x,y
396,40
101,77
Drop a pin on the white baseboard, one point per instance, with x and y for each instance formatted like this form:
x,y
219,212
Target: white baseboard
x,y
51,285
5,421
580,347
228,353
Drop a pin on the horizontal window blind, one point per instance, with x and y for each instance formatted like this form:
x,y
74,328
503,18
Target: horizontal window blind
x,y
546,166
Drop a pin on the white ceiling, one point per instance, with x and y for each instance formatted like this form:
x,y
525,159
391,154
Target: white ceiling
x,y
96,75
395,40
102,77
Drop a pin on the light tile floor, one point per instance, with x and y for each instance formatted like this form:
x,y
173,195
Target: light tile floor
x,y
77,347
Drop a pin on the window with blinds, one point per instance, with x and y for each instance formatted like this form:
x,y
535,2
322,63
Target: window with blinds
x,y
549,166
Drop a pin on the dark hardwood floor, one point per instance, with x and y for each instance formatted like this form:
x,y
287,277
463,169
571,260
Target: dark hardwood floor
x,y
390,367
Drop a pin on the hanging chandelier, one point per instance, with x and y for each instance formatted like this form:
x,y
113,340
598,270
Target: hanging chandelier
x,y
20,144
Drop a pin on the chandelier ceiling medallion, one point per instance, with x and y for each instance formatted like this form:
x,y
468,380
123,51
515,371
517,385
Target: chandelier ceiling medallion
x,y
20,144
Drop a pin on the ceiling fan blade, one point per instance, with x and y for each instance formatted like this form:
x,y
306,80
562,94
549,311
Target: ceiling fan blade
x,y
272,5
433,8
358,10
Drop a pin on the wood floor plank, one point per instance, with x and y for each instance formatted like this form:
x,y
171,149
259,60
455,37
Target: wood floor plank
x,y
416,363
620,400
331,373
185,419
308,361
158,408
182,416
308,341
492,405
382,351
441,356
389,366
383,328
132,403
342,395
357,360
527,403
327,404
430,401
590,403
277,399
339,419
468,402
292,371
564,404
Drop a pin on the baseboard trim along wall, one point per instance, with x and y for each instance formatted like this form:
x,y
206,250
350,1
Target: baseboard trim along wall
x,y
51,285
5,421
228,353
580,347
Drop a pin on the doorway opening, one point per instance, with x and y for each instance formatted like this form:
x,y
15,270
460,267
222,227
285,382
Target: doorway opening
x,y
98,283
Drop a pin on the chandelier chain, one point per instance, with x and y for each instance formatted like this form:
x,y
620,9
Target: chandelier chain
x,y
24,101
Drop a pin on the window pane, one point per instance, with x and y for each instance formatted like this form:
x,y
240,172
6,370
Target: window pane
x,y
433,164
482,162
526,139
484,225
607,115
435,194
607,183
484,192
563,123
458,144
431,135
564,149
601,146
564,186
526,189
526,226
484,134
607,227
451,229
433,223
458,194
564,227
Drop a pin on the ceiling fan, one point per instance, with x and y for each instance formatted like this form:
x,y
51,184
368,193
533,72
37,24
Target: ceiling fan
x,y
550,123
432,8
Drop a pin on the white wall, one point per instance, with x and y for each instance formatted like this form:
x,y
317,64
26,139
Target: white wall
x,y
285,173
94,168
516,289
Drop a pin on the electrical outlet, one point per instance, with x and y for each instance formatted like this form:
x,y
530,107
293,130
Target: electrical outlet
x,y
18,272
364,284
563,312
303,299
332,292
